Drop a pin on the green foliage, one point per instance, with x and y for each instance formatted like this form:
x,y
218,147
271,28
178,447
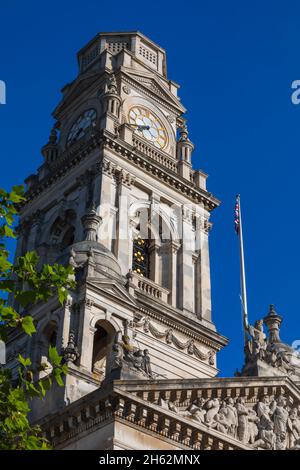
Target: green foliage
x,y
28,284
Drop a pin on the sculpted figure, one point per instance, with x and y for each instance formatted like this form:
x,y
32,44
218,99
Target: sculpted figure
x,y
125,351
253,421
257,344
267,438
137,359
264,411
220,423
296,445
280,418
167,404
229,413
212,407
243,422
195,410
146,363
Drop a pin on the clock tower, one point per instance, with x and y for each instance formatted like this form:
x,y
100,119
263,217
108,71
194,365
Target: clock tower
x,y
117,197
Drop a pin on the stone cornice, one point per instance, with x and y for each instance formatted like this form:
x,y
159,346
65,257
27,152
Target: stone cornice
x,y
114,403
187,346
164,314
175,319
103,139
158,171
188,389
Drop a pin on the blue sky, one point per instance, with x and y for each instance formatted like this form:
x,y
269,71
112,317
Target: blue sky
x,y
235,62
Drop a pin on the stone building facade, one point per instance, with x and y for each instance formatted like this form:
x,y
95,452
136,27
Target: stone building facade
x,y
117,197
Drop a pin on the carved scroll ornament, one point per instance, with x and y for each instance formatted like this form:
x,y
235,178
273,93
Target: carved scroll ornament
x,y
189,345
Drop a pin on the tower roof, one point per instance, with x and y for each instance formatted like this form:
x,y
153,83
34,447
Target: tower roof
x,y
134,42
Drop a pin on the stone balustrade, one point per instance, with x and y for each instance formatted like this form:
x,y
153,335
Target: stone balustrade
x,y
155,154
163,423
148,287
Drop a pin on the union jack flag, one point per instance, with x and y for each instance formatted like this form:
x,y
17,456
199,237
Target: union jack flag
x,y
237,215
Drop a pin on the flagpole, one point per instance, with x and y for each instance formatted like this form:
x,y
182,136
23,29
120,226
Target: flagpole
x,y
242,268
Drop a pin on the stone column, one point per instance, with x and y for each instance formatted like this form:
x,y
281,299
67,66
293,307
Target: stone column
x,y
86,335
66,323
105,232
203,286
155,264
155,242
186,274
173,272
37,220
123,240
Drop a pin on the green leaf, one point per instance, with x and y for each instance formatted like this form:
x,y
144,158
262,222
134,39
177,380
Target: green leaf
x,y
62,295
27,325
57,375
4,264
32,390
8,232
16,195
25,361
9,218
54,357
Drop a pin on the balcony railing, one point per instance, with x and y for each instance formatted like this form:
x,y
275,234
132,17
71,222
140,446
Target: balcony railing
x,y
148,287
155,154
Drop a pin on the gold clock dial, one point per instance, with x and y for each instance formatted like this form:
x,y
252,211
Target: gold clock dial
x,y
156,133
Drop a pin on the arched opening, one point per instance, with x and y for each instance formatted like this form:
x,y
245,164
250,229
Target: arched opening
x,y
68,238
62,232
48,338
151,249
102,348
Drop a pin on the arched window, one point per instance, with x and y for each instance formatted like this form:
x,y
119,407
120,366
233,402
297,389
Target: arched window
x,y
47,338
63,229
102,348
68,238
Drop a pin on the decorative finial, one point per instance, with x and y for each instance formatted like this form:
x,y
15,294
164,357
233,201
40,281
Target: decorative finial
x,y
184,134
53,136
71,353
90,222
273,321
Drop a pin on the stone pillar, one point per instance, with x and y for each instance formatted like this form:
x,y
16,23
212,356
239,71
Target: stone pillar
x,y
186,274
173,272
155,242
123,239
36,223
203,286
86,335
155,264
106,204
66,323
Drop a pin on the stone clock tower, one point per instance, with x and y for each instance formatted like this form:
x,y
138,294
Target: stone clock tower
x,y
117,197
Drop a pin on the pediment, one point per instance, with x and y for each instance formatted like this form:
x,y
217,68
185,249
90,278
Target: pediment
x,y
75,89
112,289
150,81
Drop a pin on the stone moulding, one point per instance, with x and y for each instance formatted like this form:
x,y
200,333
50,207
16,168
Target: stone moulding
x,y
200,336
73,157
121,406
188,346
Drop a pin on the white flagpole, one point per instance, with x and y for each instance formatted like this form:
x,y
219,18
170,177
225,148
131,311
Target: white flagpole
x,y
242,267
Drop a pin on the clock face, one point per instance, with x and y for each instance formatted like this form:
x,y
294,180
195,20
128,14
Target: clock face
x,y
156,133
81,125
